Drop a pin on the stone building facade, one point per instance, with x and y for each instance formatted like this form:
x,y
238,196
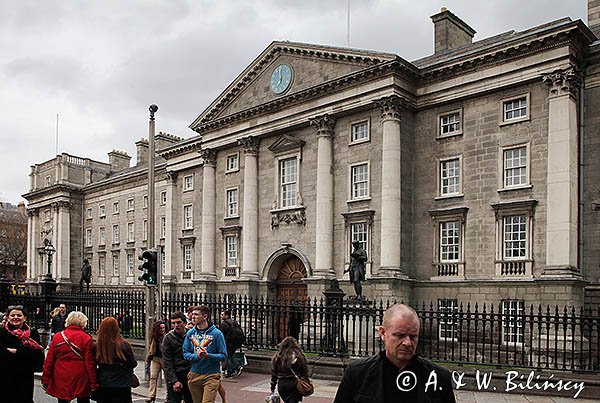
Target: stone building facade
x,y
468,175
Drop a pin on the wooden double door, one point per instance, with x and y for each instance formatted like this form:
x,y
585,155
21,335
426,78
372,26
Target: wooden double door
x,y
291,295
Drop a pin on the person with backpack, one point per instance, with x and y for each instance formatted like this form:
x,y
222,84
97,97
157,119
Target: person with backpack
x,y
234,338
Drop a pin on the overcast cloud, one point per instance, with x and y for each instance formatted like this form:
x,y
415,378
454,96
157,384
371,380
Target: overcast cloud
x,y
100,64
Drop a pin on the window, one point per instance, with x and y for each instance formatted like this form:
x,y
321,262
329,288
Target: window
x,y
358,233
163,261
188,183
447,323
515,237
359,176
145,229
102,211
101,266
47,179
130,263
515,109
188,217
450,183
359,132
145,201
515,172
163,197
88,237
512,321
88,213
233,163
288,181
449,241
101,236
163,227
450,124
232,202
116,207
47,215
358,226
130,205
231,245
116,236
187,258
115,262
130,232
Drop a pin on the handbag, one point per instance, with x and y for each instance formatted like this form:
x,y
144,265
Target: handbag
x,y
304,386
135,382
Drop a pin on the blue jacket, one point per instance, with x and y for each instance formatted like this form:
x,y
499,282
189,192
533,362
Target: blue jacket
x,y
217,350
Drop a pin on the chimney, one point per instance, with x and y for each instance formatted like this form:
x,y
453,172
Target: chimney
x,y
594,16
142,151
164,140
118,160
450,31
21,208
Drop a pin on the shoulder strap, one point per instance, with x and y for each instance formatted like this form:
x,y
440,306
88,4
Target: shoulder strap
x,y
73,347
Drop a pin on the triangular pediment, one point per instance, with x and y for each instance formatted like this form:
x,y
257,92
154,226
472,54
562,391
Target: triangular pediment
x,y
310,66
286,143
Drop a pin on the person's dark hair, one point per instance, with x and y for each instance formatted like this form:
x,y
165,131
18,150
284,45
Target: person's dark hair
x,y
288,350
178,315
155,332
226,312
17,308
204,310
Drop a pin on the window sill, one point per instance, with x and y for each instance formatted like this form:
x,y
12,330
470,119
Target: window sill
x,y
358,142
232,171
449,135
516,120
452,196
520,187
362,199
187,190
231,217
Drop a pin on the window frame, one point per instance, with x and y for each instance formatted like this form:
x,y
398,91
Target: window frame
x,y
187,187
185,267
440,163
130,232
356,123
116,234
232,208
102,211
235,243
130,264
88,213
115,265
116,207
101,236
163,197
163,227
101,265
186,225
88,237
232,157
444,270
351,183
506,121
502,167
47,215
296,182
130,204
354,218
145,229
440,124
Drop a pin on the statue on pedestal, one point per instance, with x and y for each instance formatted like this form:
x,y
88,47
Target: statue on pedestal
x,y
357,270
86,275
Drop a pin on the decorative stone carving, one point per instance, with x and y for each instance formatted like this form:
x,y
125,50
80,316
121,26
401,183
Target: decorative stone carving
x,y
171,176
391,107
209,156
250,145
324,125
295,215
562,82
63,204
32,212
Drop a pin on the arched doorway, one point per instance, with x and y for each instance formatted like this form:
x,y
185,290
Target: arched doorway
x,y
291,297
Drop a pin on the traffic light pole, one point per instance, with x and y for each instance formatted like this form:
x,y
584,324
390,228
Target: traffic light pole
x,y
150,290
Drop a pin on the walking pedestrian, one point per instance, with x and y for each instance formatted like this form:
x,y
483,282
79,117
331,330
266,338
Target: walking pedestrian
x,y
234,338
116,362
20,356
155,357
204,346
287,364
70,366
57,324
176,367
54,312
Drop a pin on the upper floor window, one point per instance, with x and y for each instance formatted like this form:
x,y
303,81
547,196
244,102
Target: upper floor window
x,y
88,213
188,182
130,264
359,131
288,181
47,215
187,257
233,163
115,259
163,197
448,259
231,246
515,109
48,180
450,183
188,217
145,230
101,266
359,232
101,236
116,207
130,205
449,241
450,124
145,201
163,227
88,237
102,211
130,232
359,181
232,202
515,172
116,235
514,237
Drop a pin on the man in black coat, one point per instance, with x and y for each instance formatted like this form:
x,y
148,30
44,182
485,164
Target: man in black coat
x,y
396,374
176,367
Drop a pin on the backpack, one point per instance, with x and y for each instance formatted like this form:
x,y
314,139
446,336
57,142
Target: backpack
x,y
236,335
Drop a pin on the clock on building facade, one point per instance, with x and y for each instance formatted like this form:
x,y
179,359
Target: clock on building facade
x,y
281,79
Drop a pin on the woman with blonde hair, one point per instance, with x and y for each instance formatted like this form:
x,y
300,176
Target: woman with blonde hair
x,y
70,367
288,363
54,312
116,362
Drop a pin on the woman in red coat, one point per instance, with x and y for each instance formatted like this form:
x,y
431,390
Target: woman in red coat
x,y
70,367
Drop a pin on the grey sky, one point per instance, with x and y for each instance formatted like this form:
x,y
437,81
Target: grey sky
x,y
100,64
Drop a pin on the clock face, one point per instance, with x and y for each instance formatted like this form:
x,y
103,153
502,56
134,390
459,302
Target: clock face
x,y
281,79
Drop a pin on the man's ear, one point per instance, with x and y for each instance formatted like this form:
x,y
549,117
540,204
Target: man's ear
x,y
382,333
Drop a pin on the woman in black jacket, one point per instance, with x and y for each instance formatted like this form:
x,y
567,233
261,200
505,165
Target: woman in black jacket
x,y
289,360
115,359
20,356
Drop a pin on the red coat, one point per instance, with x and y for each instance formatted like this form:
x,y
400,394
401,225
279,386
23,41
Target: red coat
x,y
66,375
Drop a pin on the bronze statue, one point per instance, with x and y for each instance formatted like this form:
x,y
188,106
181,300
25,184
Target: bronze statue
x,y
86,275
357,269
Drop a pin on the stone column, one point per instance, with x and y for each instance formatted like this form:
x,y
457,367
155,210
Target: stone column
x,y
391,205
562,176
62,242
32,236
171,254
324,222
207,269
250,208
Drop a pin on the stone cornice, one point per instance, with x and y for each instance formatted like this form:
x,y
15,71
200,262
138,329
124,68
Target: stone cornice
x,y
122,179
191,145
56,188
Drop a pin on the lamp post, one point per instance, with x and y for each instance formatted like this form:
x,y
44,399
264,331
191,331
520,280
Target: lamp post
x,y
48,283
49,249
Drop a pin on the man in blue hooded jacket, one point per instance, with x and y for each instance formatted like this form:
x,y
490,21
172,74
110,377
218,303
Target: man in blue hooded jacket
x,y
205,347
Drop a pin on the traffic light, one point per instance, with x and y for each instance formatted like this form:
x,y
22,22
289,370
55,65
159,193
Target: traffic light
x,y
149,267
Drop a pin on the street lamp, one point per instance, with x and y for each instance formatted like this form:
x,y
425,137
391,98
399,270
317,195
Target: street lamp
x,y
49,250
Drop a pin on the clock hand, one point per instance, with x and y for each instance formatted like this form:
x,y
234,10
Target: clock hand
x,y
280,76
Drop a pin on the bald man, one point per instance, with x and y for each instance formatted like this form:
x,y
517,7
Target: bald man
x,y
397,374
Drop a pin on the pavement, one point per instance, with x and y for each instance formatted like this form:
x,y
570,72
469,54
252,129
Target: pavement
x,y
253,387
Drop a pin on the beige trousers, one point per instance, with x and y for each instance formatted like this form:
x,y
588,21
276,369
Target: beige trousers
x,y
156,366
203,387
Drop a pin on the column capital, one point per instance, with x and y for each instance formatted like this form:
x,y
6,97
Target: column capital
x,y
324,124
210,157
562,81
171,176
32,212
250,145
64,205
391,107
